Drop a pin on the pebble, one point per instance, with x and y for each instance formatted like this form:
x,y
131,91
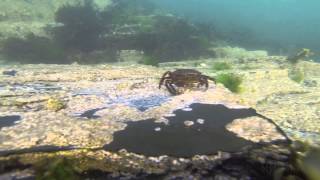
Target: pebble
x,y
203,65
170,115
157,129
188,123
200,121
187,109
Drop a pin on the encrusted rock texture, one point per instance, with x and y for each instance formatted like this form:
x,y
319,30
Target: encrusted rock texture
x,y
93,102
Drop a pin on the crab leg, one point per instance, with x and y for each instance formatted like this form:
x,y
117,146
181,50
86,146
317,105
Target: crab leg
x,y
163,78
170,87
210,78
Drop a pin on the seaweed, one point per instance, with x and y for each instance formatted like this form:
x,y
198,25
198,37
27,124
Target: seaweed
x,y
230,81
219,66
297,75
148,60
82,28
302,54
33,49
55,169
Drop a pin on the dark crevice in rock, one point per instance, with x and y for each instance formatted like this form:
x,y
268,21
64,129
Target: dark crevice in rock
x,y
7,121
43,149
90,114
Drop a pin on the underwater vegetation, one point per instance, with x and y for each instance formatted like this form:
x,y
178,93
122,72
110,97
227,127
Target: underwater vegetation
x,y
33,49
219,66
148,60
302,54
297,75
86,34
231,81
56,169
82,28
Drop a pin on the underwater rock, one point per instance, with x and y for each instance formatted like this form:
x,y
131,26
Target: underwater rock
x,y
144,103
93,102
26,174
310,83
260,162
33,87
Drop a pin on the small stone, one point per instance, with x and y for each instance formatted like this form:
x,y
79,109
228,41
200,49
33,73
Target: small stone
x,y
170,115
200,121
157,129
203,65
188,123
187,109
175,162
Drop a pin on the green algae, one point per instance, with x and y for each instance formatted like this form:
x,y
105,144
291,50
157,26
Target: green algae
x,y
231,81
56,169
297,75
220,66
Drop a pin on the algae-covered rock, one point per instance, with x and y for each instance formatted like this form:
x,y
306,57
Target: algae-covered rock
x,y
54,104
297,75
259,162
235,52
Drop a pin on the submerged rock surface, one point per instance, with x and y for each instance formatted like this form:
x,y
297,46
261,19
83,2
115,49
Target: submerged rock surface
x,y
105,102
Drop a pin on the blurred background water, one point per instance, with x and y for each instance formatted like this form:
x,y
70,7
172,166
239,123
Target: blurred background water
x,y
49,31
279,26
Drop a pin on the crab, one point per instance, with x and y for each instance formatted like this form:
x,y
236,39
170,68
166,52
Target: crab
x,y
184,78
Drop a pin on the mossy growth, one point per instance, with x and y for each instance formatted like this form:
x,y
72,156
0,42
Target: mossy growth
x,y
302,54
220,66
33,49
149,60
56,169
297,75
231,81
54,104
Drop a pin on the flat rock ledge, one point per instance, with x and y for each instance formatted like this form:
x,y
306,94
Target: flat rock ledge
x,y
94,106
